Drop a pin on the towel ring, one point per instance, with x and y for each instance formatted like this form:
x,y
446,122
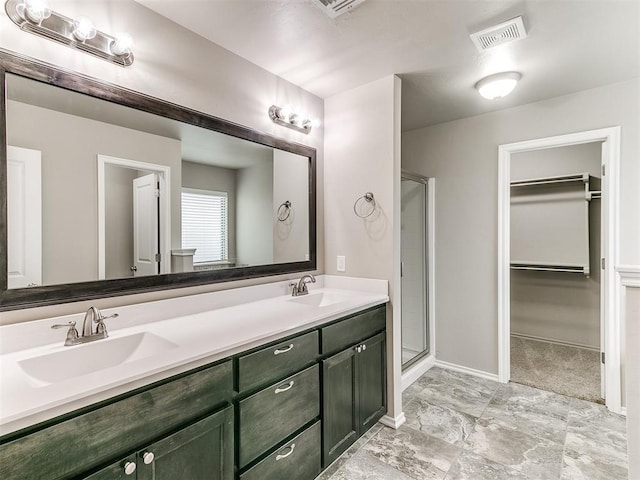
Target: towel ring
x,y
367,198
284,210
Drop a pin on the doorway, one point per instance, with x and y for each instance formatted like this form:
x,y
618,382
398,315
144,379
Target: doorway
x,y
555,249
134,224
609,329
414,268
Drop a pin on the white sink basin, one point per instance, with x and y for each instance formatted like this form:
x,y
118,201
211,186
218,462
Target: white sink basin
x,y
322,299
80,360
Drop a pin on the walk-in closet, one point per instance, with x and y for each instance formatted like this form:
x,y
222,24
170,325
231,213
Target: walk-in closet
x,y
555,220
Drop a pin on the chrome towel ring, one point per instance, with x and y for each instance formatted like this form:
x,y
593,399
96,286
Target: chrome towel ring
x,y
284,210
365,205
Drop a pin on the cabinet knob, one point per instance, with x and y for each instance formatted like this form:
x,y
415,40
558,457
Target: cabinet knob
x,y
358,348
364,347
147,457
129,468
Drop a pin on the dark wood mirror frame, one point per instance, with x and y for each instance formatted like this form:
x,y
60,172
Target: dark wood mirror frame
x,y
18,298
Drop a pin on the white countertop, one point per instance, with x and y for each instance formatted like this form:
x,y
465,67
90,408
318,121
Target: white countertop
x,y
212,326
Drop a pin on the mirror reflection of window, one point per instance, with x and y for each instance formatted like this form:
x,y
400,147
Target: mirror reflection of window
x,y
205,226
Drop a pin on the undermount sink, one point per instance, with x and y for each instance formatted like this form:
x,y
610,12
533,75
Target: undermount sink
x,y
322,299
80,360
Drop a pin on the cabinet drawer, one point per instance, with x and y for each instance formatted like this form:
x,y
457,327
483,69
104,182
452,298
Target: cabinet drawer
x,y
272,414
340,335
271,363
75,445
297,459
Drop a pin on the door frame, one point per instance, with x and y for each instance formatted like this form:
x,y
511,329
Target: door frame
x,y
416,369
610,295
164,178
31,216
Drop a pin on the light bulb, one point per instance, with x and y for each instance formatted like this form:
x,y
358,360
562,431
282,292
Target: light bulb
x,y
83,29
122,45
498,85
34,10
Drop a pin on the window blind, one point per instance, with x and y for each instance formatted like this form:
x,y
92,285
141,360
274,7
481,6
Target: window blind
x,y
205,224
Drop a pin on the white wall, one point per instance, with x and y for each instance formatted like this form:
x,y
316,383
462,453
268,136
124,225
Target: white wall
x,y
463,157
118,221
70,146
362,151
254,213
291,236
179,66
632,314
563,307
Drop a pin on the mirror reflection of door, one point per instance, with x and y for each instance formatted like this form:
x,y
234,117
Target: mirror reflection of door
x,y
132,218
413,218
24,214
146,197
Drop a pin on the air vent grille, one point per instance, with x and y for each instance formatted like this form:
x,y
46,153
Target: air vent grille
x,y
506,32
335,8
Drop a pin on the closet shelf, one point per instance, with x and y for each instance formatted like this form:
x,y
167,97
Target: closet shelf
x,y
577,177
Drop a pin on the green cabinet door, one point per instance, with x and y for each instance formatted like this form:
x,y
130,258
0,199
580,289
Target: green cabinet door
x,y
202,451
339,411
372,385
354,394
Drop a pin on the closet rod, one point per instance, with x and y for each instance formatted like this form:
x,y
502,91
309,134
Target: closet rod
x,y
579,177
551,268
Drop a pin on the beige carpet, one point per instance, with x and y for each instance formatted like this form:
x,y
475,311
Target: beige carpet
x,y
570,371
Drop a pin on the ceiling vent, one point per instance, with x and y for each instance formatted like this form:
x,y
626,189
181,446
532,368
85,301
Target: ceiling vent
x,y
335,8
506,32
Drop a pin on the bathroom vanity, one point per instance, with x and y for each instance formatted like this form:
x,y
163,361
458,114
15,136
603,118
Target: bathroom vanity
x,y
280,396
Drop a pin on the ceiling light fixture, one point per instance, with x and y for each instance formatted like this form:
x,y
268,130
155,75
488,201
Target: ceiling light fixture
x,y
498,85
35,16
287,118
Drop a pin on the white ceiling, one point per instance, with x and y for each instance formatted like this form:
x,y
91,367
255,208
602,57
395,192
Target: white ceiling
x,y
572,45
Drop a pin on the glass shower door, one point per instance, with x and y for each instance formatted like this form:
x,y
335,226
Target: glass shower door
x,y
415,325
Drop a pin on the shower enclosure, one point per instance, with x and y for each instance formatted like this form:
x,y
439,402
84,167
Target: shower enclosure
x,y
413,268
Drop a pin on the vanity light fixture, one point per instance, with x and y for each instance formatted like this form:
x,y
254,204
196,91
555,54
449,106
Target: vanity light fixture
x,y
35,16
285,117
498,85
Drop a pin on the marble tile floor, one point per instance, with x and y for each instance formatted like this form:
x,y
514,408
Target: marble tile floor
x,y
460,427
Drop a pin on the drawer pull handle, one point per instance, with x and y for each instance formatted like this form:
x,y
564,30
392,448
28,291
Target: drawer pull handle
x,y
278,351
129,468
285,455
284,389
147,457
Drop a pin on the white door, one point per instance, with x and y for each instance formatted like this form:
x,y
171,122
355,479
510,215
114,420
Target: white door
x,y
24,215
146,250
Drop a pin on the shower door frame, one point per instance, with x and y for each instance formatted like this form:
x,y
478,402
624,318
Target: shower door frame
x,y
429,268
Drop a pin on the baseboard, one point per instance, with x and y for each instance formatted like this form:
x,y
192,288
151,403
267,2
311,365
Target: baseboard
x,y
470,371
551,340
416,370
393,422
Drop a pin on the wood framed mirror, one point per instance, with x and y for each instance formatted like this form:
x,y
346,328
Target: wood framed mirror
x,y
105,191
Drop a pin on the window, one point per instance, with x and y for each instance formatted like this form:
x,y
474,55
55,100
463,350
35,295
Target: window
x,y
204,224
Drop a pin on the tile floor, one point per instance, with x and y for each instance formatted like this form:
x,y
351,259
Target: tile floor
x,y
461,427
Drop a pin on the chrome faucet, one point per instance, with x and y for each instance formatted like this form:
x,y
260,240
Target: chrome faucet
x,y
300,288
92,316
